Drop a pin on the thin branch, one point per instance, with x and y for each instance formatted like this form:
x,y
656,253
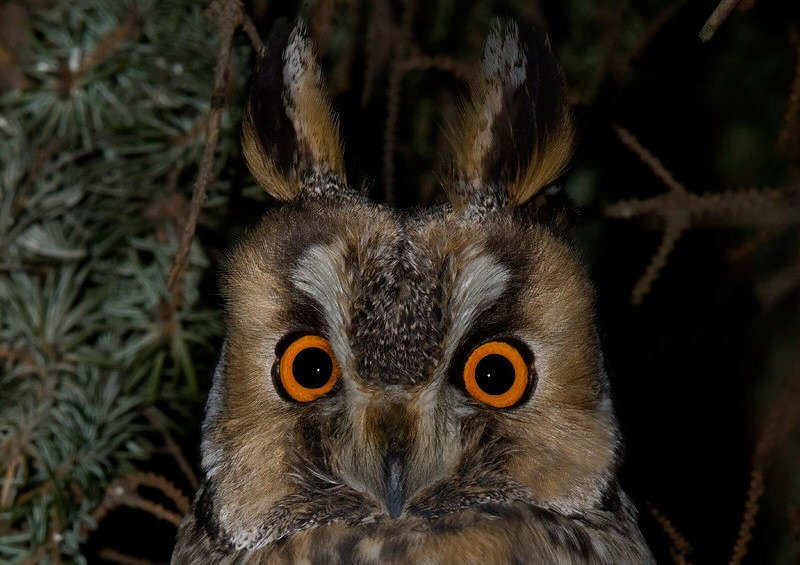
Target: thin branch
x,y
418,61
116,557
127,30
672,233
36,558
230,15
751,507
8,480
123,492
782,417
719,15
630,141
793,514
174,450
393,98
250,29
788,141
678,210
380,35
651,32
680,546
166,487
139,503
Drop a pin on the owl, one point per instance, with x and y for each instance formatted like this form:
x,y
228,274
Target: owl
x,y
419,386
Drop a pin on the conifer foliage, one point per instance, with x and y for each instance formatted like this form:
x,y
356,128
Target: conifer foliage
x,y
98,150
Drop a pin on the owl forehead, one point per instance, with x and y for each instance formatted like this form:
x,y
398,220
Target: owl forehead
x,y
396,292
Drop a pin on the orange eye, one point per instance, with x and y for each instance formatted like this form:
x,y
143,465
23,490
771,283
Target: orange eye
x,y
308,368
496,374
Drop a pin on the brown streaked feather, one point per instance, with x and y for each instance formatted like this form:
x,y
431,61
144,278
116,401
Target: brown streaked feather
x,y
516,133
289,131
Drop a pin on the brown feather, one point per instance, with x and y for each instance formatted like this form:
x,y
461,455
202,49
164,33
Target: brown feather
x,y
516,134
290,132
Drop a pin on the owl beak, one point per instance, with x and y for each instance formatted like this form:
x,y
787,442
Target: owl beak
x,y
393,469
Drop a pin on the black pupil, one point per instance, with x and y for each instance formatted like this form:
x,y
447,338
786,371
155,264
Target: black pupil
x,y
312,367
494,374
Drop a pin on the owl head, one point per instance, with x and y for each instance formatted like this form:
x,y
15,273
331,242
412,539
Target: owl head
x,y
390,365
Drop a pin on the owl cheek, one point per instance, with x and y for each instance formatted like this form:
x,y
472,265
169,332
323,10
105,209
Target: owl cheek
x,y
566,459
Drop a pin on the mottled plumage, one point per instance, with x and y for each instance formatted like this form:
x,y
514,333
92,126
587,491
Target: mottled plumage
x,y
398,463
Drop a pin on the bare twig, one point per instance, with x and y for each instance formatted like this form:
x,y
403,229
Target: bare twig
x,y
676,220
123,492
8,480
719,15
747,207
37,556
230,15
418,61
788,141
251,31
649,159
116,557
781,420
745,6
651,32
751,506
676,225
778,285
396,73
174,450
678,209
680,547
380,34
793,514
166,487
749,246
127,30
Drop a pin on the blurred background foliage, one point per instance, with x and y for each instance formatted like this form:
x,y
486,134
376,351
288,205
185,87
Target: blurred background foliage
x,y
687,182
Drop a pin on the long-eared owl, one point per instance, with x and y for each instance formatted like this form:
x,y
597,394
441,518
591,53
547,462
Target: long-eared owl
x,y
411,386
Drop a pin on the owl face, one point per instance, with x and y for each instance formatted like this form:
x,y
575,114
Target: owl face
x,y
390,367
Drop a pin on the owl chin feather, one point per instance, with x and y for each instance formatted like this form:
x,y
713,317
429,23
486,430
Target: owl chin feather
x,y
411,387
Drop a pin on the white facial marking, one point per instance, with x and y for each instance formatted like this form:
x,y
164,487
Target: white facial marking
x,y
322,275
480,281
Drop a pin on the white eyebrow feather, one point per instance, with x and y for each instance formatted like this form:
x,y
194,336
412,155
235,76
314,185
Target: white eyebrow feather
x,y
322,274
478,283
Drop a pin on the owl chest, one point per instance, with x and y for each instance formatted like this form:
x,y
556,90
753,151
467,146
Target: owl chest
x,y
495,542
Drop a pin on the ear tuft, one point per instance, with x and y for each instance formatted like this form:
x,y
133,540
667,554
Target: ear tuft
x,y
516,134
290,136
